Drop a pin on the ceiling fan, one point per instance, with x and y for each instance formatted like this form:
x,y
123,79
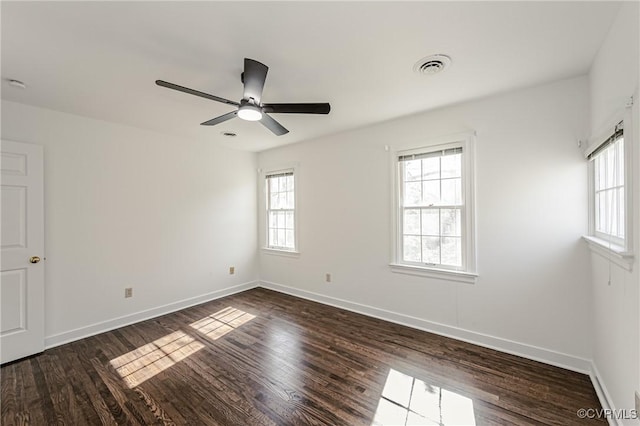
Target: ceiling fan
x,y
250,107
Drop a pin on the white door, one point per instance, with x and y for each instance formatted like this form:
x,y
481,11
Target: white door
x,y
22,241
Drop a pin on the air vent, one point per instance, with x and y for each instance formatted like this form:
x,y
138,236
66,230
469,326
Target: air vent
x,y
432,64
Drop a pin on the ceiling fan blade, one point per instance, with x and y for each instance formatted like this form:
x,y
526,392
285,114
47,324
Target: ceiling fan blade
x,y
273,125
195,92
253,77
322,108
221,119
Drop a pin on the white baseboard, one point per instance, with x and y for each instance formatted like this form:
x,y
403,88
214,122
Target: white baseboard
x,y
603,394
101,327
524,350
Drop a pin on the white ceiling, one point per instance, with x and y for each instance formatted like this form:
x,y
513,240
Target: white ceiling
x,y
101,59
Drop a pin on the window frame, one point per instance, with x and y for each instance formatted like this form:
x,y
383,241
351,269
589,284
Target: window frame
x,y
468,271
620,251
264,235
614,239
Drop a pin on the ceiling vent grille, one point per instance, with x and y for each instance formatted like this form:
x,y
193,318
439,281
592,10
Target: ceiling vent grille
x,y
432,64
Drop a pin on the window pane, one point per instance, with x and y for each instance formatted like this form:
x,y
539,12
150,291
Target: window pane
x,y
452,191
281,218
272,237
610,166
601,215
412,171
620,161
451,251
411,222
281,238
291,201
289,221
599,172
289,239
290,183
431,168
412,193
431,250
452,166
273,220
612,212
621,212
430,222
273,184
411,249
450,219
431,192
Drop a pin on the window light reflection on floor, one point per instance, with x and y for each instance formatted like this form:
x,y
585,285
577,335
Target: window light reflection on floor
x,y
142,363
406,400
222,322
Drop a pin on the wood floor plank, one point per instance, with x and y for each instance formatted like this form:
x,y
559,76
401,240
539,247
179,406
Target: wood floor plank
x,y
265,358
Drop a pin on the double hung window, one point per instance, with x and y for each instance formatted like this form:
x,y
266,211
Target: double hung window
x,y
608,189
281,210
434,210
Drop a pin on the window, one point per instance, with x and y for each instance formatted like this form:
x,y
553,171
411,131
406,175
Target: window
x,y
431,199
280,191
434,212
608,183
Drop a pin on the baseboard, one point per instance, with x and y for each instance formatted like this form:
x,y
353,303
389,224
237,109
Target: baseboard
x,y
535,353
603,394
101,327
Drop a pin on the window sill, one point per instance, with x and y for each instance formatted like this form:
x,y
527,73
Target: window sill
x,y
613,252
277,252
442,274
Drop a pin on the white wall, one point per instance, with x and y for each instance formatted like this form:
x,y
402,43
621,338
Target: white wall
x,y
127,207
531,214
616,307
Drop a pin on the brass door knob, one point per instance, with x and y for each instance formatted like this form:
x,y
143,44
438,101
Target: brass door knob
x,y
34,259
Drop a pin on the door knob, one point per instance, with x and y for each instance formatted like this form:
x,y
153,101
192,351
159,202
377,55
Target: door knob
x,y
34,259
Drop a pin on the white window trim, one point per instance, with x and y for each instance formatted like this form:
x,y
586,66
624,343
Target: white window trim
x,y
469,274
262,205
610,248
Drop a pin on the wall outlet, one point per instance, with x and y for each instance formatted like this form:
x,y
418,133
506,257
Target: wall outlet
x,y
327,277
638,402
128,292
232,270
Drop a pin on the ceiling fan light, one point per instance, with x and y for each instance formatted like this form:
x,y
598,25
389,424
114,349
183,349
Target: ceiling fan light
x,y
249,113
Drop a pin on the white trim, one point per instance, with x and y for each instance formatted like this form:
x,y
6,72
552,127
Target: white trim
x,y
535,353
603,394
616,254
263,229
466,140
276,252
103,326
626,116
442,274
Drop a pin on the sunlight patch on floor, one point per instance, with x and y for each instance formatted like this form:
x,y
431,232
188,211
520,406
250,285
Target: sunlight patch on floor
x,y
216,325
141,364
406,400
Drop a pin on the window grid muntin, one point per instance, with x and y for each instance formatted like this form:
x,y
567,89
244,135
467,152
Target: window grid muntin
x,y
460,195
281,213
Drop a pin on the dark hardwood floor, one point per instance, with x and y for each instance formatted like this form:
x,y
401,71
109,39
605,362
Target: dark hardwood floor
x,y
264,358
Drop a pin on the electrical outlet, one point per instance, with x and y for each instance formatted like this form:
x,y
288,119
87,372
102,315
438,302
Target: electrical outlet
x,y
232,270
327,277
128,292
638,402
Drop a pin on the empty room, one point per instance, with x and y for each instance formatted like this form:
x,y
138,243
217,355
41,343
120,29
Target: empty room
x,y
320,213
